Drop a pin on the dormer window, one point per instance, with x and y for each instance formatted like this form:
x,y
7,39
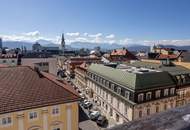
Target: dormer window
x,y
183,79
119,90
172,91
140,97
112,86
148,96
165,92
127,94
158,94
107,83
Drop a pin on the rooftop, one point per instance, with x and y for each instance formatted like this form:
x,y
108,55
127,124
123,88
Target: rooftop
x,y
173,70
132,79
24,88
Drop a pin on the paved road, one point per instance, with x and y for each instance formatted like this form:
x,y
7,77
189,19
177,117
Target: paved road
x,y
85,123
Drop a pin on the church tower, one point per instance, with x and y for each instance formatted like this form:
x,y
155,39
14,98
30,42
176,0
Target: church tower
x,y
63,43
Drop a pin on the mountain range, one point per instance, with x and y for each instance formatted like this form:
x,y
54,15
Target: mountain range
x,y
79,45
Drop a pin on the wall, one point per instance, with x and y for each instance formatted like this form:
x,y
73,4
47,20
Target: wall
x,y
45,120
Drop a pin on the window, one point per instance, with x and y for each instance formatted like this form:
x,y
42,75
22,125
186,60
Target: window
x,y
103,94
111,99
127,94
6,120
158,94
148,111
106,96
13,61
179,80
112,86
126,109
55,110
140,114
140,97
33,115
157,109
107,84
148,96
183,79
104,82
119,90
165,106
111,112
4,61
165,92
172,91
118,103
56,129
171,104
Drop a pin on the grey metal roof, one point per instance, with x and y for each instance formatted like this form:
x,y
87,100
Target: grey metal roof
x,y
173,70
134,81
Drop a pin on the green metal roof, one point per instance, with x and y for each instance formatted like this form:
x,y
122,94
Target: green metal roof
x,y
173,70
134,81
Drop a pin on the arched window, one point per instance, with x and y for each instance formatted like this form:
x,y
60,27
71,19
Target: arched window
x,y
140,114
157,109
140,97
148,111
34,128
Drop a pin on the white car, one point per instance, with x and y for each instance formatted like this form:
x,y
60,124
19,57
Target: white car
x,y
94,115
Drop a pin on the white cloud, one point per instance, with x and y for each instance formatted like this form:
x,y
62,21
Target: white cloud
x,y
95,35
32,34
73,34
111,36
91,38
85,34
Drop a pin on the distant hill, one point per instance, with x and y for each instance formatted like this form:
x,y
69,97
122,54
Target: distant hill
x,y
104,46
17,44
79,45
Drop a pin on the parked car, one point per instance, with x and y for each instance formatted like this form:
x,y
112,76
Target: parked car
x,y
79,91
94,115
83,102
101,121
87,105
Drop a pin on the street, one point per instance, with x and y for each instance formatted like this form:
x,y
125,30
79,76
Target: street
x,y
85,123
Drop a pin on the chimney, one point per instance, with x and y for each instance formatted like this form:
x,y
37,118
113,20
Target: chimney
x,y
19,59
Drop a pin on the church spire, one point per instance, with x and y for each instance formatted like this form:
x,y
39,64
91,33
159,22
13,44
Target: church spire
x,y
63,43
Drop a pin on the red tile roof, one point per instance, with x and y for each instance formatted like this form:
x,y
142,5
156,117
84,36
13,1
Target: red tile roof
x,y
2,65
121,55
8,55
119,52
172,56
24,88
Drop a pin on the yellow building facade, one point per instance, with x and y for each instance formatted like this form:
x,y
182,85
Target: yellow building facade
x,y
66,118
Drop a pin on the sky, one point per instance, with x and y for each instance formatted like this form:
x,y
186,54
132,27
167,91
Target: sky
x,y
101,21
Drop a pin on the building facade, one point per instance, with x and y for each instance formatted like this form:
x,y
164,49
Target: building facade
x,y
71,63
34,100
80,76
128,94
180,75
